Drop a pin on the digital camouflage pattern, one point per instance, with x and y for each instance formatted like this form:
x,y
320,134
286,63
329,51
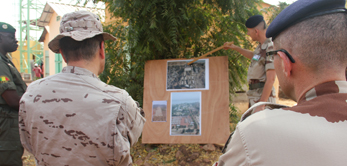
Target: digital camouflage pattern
x,y
11,150
310,133
73,118
257,71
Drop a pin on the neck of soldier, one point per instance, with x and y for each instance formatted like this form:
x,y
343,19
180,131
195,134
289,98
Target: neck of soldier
x,y
3,52
262,37
306,79
92,65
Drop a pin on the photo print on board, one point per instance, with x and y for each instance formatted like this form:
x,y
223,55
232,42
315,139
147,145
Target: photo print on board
x,y
159,111
185,116
181,76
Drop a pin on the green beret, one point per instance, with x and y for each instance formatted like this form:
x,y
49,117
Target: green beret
x,y
4,27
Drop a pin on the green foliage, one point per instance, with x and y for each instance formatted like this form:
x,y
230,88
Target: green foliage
x,y
171,29
168,29
275,10
234,117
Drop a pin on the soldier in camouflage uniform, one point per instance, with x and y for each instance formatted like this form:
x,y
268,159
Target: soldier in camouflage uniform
x,y
12,88
73,118
261,74
310,61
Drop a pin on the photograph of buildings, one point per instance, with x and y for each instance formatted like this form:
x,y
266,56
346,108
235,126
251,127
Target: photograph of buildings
x,y
185,116
182,76
159,111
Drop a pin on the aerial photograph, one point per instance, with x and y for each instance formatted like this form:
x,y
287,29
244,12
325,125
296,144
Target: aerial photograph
x,y
182,76
185,113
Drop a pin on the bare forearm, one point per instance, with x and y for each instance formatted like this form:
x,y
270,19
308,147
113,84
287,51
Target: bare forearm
x,y
270,79
266,91
247,53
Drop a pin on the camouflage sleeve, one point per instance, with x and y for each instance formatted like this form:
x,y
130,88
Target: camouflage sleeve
x,y
131,120
22,130
269,63
6,79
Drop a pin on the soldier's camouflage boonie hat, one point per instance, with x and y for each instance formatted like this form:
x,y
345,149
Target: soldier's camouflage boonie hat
x,y
79,25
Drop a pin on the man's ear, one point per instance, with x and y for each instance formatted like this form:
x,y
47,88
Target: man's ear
x,y
256,31
102,50
286,64
61,53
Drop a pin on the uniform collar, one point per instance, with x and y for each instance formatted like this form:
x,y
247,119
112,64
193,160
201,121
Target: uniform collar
x,y
3,57
79,71
265,44
324,89
6,59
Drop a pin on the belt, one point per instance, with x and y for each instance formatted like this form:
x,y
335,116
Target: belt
x,y
256,85
254,81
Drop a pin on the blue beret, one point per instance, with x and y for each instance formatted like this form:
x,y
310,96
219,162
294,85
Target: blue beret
x,y
254,21
4,27
302,10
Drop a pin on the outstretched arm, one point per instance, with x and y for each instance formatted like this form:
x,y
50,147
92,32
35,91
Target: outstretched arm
x,y
247,53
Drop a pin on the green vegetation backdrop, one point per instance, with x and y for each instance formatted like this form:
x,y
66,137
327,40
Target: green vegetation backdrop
x,y
170,29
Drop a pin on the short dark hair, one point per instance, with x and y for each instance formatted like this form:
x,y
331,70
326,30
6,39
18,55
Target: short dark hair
x,y
320,41
261,26
77,50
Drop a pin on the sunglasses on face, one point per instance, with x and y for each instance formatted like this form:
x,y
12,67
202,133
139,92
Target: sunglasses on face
x,y
272,53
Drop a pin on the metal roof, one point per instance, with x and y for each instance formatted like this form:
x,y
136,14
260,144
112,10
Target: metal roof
x,y
62,9
43,35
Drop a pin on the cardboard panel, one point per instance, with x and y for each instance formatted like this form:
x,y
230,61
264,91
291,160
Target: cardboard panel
x,y
214,104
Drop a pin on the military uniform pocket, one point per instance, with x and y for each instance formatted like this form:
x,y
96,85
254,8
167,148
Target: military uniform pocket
x,y
9,129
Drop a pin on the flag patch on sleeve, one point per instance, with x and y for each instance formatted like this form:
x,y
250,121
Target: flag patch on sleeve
x,y
4,79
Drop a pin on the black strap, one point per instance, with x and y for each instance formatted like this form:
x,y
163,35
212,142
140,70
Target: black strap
x,y
256,85
228,141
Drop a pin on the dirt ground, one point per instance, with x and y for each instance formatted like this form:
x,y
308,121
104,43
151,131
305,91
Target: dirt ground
x,y
175,154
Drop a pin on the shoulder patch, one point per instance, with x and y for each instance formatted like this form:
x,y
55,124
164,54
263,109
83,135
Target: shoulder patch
x,y
4,79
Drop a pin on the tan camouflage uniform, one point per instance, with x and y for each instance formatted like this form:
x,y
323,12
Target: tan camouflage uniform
x,y
311,133
260,63
11,150
73,118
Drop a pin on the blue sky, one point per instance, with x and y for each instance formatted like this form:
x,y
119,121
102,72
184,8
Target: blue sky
x,y
185,97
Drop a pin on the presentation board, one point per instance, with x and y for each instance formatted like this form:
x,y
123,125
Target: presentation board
x,y
186,103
